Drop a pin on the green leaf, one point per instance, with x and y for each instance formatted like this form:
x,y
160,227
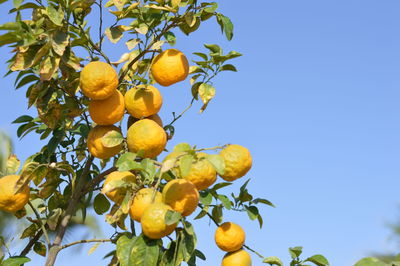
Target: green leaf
x,y
101,204
170,37
172,217
23,119
228,67
137,251
226,25
205,197
318,260
40,249
56,16
114,34
295,252
17,3
30,231
15,261
217,162
127,162
264,201
182,147
233,54
59,42
221,185
369,261
112,138
185,163
26,80
214,48
202,55
119,4
273,261
217,213
225,201
252,211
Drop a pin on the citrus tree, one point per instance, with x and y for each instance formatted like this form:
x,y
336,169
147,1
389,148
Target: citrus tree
x,y
103,137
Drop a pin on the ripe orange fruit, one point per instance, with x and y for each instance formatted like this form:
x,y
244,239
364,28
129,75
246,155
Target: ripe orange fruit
x,y
202,174
237,258
9,200
238,161
118,194
156,118
181,195
95,145
98,80
141,201
229,237
169,67
148,136
108,111
153,221
143,101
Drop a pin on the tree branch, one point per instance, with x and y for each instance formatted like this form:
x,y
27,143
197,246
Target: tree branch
x,y
85,241
30,244
62,226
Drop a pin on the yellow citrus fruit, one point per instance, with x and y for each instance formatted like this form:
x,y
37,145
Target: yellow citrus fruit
x,y
118,194
148,136
153,221
237,258
201,173
95,145
169,67
143,101
181,195
9,200
142,200
229,237
238,161
98,80
108,111
156,118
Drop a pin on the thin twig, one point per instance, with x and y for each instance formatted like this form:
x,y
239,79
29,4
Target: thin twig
x,y
182,113
46,236
85,241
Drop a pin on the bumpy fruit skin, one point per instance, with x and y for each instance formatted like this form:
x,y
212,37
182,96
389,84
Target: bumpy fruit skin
x,y
95,145
98,80
118,195
156,118
181,195
238,162
237,258
229,237
202,174
108,111
169,67
153,221
142,200
10,202
142,102
148,136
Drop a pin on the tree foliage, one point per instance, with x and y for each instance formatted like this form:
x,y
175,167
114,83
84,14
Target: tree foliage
x,y
51,41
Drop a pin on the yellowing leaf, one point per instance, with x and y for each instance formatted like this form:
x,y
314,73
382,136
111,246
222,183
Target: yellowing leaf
x,y
13,164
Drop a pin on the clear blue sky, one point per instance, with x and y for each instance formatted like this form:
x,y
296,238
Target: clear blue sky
x,y
316,100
